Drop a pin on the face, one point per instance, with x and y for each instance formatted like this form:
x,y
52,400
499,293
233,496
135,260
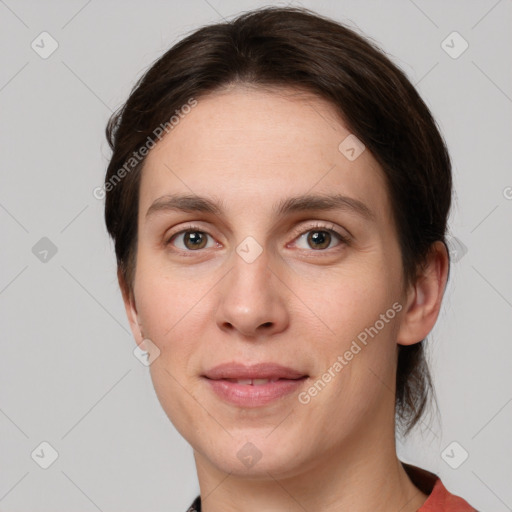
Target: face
x,y
257,272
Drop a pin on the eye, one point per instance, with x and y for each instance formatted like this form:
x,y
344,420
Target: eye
x,y
317,237
191,239
320,237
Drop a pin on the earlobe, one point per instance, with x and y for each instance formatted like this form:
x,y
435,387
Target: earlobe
x,y
425,297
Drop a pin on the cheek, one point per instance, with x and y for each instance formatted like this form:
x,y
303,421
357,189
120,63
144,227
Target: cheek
x,y
348,301
166,298
176,395
359,314
171,315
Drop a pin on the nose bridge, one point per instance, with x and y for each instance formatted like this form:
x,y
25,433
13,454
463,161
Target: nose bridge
x,y
251,271
250,278
250,301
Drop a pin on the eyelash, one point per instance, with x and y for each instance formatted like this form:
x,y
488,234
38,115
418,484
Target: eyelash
x,y
298,233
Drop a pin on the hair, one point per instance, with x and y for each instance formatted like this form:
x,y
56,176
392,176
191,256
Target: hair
x,y
283,48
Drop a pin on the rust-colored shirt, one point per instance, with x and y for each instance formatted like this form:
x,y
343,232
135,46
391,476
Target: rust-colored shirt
x,y
439,498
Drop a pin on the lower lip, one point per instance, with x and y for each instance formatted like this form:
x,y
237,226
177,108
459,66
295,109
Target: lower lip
x,y
246,395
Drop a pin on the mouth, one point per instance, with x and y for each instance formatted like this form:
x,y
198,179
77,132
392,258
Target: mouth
x,y
254,382
253,385
254,372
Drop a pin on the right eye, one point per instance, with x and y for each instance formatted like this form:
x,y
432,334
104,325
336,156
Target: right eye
x,y
190,239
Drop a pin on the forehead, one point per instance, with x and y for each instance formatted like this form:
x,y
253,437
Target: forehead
x,y
251,147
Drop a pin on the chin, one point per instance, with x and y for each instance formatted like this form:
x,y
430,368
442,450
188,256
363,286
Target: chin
x,y
257,456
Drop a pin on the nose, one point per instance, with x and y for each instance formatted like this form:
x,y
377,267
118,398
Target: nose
x,y
252,299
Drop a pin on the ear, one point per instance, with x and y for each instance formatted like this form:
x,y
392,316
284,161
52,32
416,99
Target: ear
x,y
424,297
131,308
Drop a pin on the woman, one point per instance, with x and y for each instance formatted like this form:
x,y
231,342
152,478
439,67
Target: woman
x,y
278,195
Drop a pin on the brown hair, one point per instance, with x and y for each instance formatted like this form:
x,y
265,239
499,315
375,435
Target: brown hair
x,y
295,47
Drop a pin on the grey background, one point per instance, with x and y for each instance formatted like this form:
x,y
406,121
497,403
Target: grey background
x,y
68,375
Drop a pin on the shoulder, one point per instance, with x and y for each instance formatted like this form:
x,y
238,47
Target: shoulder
x,y
443,500
439,498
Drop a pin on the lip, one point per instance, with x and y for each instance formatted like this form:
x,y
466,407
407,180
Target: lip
x,y
254,371
284,381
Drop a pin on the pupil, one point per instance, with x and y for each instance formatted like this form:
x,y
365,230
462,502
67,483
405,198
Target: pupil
x,y
321,238
194,238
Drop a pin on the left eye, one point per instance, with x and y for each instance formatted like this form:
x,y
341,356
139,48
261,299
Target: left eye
x,y
319,239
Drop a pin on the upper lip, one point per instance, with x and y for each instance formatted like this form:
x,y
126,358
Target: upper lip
x,y
254,371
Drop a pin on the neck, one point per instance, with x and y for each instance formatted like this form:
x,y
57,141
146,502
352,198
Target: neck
x,y
362,474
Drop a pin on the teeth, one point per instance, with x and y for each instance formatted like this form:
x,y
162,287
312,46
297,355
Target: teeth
x,y
244,381
258,382
252,382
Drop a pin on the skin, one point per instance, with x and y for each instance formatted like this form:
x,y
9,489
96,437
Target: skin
x,y
296,304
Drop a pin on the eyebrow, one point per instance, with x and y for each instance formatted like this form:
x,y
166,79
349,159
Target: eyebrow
x,y
307,202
